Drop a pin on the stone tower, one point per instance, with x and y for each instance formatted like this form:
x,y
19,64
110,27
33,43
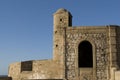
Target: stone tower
x,y
80,53
85,52
62,20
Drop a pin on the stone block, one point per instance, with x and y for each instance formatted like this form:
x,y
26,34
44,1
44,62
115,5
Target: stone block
x,y
117,75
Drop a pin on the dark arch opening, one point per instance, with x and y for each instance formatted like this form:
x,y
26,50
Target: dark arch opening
x,y
85,54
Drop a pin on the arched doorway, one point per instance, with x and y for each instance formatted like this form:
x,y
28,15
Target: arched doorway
x,y
85,55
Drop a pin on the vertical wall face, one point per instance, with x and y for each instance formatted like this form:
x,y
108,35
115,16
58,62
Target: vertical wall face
x,y
112,46
14,71
98,38
118,46
40,70
67,40
62,19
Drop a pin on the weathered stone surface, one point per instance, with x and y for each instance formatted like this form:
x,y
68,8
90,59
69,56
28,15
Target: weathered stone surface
x,y
105,41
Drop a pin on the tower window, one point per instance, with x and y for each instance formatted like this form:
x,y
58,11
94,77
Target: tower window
x,y
56,45
85,55
61,19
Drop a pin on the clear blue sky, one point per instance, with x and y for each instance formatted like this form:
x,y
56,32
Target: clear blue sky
x,y
26,25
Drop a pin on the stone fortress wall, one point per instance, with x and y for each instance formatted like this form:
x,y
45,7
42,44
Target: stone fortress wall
x,y
66,62
45,69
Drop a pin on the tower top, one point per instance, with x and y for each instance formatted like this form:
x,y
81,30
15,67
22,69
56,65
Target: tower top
x,y
62,10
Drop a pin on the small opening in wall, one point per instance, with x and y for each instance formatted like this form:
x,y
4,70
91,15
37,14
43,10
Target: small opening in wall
x,y
26,66
55,32
56,45
61,19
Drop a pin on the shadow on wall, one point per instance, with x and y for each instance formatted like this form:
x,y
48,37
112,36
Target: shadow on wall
x,y
5,78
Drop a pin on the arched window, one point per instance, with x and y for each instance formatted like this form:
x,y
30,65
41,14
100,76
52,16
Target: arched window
x,y
85,54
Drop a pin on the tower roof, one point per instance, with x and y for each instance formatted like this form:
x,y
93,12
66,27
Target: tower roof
x,y
62,10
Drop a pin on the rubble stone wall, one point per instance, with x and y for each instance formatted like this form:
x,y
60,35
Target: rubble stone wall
x,y
97,36
42,69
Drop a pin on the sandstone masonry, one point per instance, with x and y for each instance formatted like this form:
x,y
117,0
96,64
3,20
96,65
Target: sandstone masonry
x,y
80,53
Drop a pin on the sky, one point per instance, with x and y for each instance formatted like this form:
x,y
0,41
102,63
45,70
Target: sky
x,y
26,26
